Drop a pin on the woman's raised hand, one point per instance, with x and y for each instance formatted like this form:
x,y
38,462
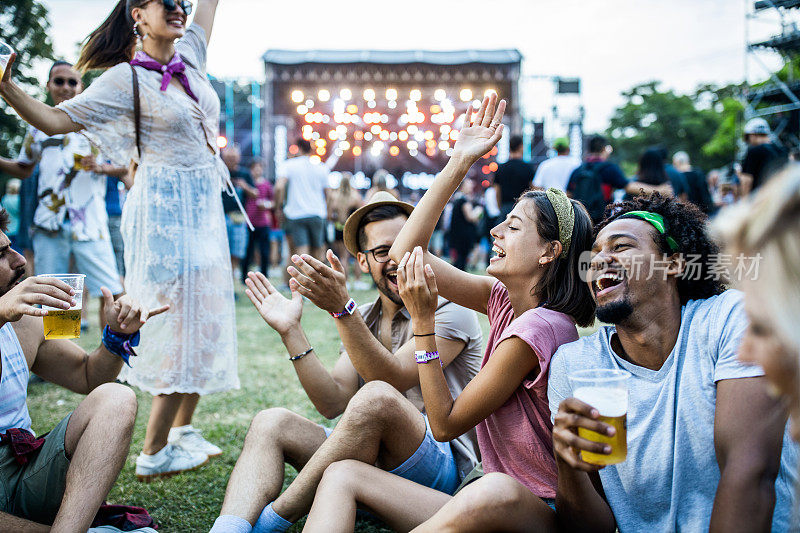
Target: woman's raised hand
x,y
480,132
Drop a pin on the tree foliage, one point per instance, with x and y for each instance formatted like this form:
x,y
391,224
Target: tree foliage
x,y
703,123
25,26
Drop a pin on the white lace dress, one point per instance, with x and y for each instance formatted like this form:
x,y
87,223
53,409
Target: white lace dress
x,y
176,245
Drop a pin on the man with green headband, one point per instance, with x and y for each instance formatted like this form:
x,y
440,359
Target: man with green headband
x,y
704,449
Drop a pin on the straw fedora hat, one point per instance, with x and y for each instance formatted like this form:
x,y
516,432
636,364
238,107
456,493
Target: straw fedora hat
x,y
378,199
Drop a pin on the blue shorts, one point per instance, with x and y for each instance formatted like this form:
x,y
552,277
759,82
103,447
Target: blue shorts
x,y
237,237
95,259
432,465
308,231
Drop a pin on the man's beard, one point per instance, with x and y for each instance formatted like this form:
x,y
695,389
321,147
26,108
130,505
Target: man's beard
x,y
383,288
19,273
615,312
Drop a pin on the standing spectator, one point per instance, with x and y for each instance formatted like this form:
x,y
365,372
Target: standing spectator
x,y
593,183
234,218
259,210
115,188
300,194
698,191
513,177
11,205
28,201
464,224
680,187
379,184
555,172
344,202
70,217
652,170
763,157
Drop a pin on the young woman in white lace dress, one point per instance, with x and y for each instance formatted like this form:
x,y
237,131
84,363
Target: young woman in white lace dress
x,y
176,249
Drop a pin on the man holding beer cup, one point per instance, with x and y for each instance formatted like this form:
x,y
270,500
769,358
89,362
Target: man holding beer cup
x,y
703,449
63,477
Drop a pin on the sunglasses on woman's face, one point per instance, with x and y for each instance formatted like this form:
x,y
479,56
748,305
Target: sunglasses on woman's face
x,y
59,82
171,5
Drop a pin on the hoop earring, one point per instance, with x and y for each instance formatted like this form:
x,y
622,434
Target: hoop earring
x,y
137,33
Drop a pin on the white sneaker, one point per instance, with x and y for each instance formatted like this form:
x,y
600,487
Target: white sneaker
x,y
167,462
112,529
189,438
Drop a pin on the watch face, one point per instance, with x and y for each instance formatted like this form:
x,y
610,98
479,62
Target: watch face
x,y
350,306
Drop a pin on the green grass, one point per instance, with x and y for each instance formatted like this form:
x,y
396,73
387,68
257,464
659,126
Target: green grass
x,y
191,502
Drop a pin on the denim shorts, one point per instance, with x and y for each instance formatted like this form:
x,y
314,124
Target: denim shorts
x,y
237,236
308,231
432,464
95,259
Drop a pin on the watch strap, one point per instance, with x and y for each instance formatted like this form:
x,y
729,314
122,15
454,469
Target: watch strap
x,y
349,309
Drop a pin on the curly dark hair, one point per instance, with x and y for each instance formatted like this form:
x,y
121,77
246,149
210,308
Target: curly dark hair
x,y
688,226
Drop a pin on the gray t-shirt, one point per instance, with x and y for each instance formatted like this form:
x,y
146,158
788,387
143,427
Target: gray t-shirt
x,y
670,477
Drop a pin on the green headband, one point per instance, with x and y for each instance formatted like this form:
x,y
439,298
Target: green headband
x,y
565,215
657,221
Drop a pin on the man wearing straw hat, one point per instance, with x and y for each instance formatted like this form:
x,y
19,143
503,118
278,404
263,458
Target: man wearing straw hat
x,y
374,384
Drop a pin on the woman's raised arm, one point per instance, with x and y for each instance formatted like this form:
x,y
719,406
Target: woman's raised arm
x,y
475,139
47,119
206,11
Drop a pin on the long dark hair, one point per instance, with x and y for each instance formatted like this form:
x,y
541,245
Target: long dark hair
x,y
113,41
651,168
561,288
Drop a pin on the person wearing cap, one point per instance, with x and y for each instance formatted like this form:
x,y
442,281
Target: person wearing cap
x,y
708,447
555,172
763,157
374,384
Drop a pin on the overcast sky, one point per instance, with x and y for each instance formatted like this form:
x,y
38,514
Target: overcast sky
x,y
610,44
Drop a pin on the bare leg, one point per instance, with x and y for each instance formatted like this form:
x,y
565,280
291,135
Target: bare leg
x,y
293,250
186,410
379,426
318,253
349,484
162,414
495,502
275,436
97,441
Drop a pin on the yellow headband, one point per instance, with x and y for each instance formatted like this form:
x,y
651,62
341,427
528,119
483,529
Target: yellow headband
x,y
566,217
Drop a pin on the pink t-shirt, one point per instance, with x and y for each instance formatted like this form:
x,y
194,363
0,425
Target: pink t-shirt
x,y
517,439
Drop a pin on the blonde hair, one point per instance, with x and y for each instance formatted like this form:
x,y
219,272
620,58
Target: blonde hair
x,y
768,223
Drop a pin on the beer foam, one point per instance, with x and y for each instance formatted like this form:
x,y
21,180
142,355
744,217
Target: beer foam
x,y
608,401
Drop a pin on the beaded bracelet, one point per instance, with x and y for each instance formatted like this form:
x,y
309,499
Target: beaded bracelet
x,y
301,355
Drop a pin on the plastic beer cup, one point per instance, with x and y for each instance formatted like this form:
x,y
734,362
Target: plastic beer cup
x,y
606,391
64,323
5,55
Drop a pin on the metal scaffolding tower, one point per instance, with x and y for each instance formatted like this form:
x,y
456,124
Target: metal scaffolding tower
x,y
777,100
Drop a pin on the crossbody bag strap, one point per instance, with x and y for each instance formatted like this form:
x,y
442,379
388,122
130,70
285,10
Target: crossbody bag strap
x,y
137,112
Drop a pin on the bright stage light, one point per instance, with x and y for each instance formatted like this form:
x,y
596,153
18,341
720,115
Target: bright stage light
x,y
488,92
320,143
454,135
393,136
356,151
358,135
412,129
375,129
384,119
369,95
435,109
320,151
428,135
394,151
413,153
402,136
222,142
465,95
352,109
293,149
332,135
493,166
345,94
344,145
302,109
430,144
392,104
297,96
476,104
415,95
485,169
315,159
391,94
371,104
368,136
440,94
445,129
309,103
412,145
444,145
324,95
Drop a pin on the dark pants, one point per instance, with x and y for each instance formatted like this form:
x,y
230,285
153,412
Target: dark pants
x,y
258,237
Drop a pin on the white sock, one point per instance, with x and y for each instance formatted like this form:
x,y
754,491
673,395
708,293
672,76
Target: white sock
x,y
229,523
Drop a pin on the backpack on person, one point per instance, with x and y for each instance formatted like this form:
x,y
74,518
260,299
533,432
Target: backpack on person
x,y
586,186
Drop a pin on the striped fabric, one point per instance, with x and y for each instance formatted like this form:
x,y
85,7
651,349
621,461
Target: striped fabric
x,y
13,383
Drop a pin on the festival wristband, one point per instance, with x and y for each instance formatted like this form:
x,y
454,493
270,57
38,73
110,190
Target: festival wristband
x,y
349,309
424,334
423,357
120,344
301,355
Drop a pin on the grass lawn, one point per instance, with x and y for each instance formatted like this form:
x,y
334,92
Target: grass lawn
x,y
191,502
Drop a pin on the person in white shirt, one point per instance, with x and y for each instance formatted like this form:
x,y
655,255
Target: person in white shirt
x,y
555,172
300,196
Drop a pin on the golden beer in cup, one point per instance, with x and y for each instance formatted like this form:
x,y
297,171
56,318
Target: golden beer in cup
x,y
606,391
64,323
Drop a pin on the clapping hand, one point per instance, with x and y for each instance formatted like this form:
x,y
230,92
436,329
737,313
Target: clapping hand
x,y
325,286
417,285
126,315
479,135
279,312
